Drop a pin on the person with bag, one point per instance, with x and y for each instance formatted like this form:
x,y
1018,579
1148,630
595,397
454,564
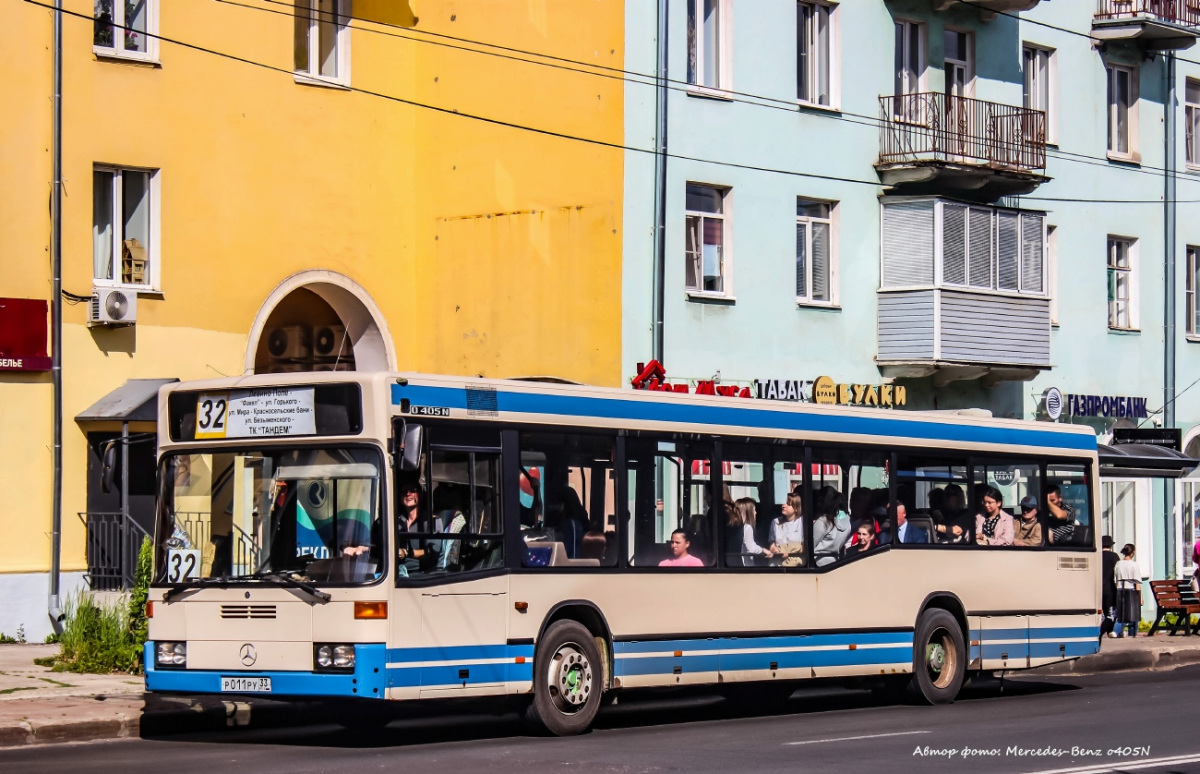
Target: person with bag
x,y
787,534
1108,586
1128,576
1196,564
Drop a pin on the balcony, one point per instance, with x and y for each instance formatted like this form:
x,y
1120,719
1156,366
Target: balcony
x,y
934,143
1158,25
962,292
991,7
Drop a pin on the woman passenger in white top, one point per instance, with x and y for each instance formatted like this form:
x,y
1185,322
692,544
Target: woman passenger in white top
x,y
1128,576
746,514
787,533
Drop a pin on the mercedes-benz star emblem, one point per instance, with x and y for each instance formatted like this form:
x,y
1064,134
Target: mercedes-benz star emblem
x,y
249,655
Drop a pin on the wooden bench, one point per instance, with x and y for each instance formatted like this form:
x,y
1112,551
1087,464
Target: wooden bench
x,y
1175,597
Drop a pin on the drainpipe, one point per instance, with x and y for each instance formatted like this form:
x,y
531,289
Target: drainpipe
x,y
54,607
660,182
1169,212
127,561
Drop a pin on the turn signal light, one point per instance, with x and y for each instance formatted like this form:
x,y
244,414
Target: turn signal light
x,y
370,609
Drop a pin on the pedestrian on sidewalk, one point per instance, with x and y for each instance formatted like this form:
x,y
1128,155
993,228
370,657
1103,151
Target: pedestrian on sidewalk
x,y
1128,576
1108,587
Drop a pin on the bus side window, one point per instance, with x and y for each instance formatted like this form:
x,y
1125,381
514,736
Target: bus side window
x,y
1067,502
934,491
671,488
568,499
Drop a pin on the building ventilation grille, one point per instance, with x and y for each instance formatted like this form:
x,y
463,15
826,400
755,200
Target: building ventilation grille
x,y
248,611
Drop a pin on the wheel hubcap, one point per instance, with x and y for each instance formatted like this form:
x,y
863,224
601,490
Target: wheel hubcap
x,y
941,658
570,678
935,654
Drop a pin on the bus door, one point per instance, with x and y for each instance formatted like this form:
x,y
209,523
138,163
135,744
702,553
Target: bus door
x,y
450,638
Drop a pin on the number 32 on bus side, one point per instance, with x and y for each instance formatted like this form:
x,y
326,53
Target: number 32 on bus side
x,y
211,415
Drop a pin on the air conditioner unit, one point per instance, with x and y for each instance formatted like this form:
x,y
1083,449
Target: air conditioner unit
x,y
331,341
112,306
289,342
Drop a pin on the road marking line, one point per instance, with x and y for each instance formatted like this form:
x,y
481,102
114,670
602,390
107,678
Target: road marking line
x,y
853,738
1147,763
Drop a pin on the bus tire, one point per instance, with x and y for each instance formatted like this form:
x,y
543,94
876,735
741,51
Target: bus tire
x,y
939,657
567,680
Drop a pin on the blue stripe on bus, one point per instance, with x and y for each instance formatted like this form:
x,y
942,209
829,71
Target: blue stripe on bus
x,y
459,653
1067,650
736,643
409,667
367,681
620,408
1010,651
1063,633
1004,634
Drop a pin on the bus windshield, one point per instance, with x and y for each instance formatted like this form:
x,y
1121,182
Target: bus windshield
x,y
302,514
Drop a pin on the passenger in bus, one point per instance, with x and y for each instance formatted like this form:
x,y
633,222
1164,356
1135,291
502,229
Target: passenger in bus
x,y
876,517
1060,526
993,527
787,534
1028,530
905,532
860,504
568,518
865,540
741,549
957,522
831,529
679,552
593,546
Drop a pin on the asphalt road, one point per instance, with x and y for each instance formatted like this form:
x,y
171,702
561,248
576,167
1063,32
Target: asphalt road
x,y
1145,722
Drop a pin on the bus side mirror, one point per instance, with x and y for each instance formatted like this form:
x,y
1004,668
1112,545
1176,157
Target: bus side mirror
x,y
108,466
414,437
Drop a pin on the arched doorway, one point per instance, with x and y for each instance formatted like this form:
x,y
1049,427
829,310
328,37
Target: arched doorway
x,y
319,321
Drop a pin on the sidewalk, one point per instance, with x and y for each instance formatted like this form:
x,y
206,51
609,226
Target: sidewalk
x,y
38,706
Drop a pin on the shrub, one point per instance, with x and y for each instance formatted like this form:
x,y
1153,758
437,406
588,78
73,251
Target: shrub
x,y
138,597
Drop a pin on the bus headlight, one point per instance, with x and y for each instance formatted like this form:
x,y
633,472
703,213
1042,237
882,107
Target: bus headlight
x,y
171,654
331,657
343,656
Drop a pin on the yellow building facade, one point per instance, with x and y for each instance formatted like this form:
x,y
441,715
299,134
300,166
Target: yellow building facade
x,y
312,184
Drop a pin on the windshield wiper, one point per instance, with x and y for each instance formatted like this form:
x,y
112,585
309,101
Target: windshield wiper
x,y
199,583
286,580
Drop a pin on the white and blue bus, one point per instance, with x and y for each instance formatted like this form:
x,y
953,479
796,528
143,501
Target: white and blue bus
x,y
404,537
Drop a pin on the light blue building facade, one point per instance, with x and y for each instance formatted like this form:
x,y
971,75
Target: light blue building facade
x,y
965,199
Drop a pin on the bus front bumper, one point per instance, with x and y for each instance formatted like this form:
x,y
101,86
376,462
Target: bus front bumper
x,y
367,681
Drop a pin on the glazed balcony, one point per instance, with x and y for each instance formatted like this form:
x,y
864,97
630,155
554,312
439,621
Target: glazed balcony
x,y
962,291
934,143
1159,25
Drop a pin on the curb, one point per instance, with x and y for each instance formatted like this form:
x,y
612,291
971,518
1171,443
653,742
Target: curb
x,y
1126,661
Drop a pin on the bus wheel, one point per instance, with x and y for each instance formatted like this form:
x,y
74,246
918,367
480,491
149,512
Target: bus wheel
x,y
939,657
567,674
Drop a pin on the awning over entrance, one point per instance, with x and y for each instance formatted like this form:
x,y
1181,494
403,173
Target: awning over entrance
x,y
134,401
1139,460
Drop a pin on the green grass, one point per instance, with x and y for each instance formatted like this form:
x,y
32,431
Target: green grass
x,y
14,690
59,683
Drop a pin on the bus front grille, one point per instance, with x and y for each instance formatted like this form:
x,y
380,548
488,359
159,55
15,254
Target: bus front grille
x,y
247,611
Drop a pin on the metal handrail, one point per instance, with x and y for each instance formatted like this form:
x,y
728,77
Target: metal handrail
x,y
933,126
1182,12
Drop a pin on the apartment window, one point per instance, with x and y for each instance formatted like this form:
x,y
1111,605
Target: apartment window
x,y
814,73
1039,85
1191,284
706,43
814,252
1122,312
1121,99
959,63
124,209
910,57
1191,123
125,28
323,39
707,269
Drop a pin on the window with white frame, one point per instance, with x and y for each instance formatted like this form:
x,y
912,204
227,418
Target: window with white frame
x,y
993,249
125,28
1122,259
1191,123
124,212
706,43
1122,98
707,254
322,48
814,252
1191,286
1039,84
910,57
815,58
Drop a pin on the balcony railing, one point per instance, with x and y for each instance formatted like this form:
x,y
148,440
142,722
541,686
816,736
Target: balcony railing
x,y
1185,13
960,130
